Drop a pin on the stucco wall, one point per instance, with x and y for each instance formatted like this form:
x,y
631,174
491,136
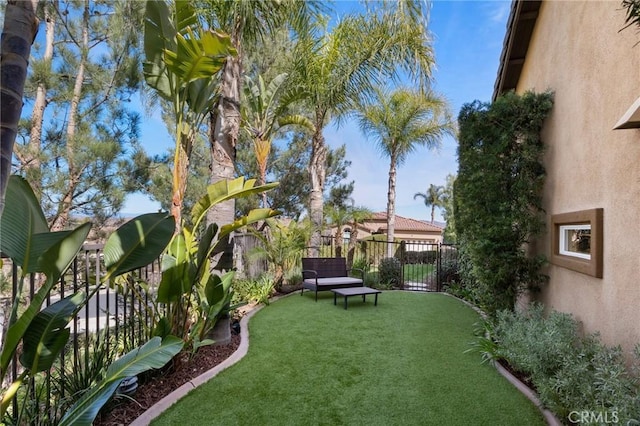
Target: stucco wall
x,y
578,52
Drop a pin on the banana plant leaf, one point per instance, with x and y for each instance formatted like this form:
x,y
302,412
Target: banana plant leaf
x,y
153,354
54,262
48,333
226,190
22,219
137,243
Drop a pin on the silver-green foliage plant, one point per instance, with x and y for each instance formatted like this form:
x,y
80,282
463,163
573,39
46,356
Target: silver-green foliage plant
x,y
26,239
570,372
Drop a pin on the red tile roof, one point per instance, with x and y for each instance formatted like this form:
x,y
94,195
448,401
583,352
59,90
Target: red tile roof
x,y
378,222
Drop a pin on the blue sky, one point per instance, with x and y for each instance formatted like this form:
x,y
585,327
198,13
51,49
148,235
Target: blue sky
x,y
467,37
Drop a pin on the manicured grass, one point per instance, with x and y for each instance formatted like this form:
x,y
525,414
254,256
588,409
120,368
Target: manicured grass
x,y
418,272
400,363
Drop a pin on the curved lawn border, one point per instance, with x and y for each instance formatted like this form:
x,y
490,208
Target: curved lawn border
x,y
166,402
549,416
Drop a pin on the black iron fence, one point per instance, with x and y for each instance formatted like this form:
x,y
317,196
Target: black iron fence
x,y
411,265
116,319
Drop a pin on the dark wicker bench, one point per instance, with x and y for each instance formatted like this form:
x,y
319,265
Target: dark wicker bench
x,y
327,273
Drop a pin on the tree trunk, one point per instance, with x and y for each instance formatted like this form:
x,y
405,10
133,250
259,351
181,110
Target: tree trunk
x,y
180,174
262,148
353,240
338,241
224,127
61,220
31,162
391,206
317,173
20,28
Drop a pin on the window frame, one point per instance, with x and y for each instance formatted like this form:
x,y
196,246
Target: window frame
x,y
591,265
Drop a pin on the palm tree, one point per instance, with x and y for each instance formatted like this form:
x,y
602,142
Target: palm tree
x,y
246,21
339,217
434,197
399,122
358,215
346,64
264,112
19,31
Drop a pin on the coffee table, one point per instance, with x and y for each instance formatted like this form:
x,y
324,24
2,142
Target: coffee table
x,y
354,291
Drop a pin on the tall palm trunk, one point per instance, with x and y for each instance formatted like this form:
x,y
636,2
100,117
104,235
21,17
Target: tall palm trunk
x,y
31,160
61,219
317,174
20,28
353,240
391,205
224,128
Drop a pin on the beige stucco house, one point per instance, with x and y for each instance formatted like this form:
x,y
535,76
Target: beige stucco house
x,y
406,229
579,50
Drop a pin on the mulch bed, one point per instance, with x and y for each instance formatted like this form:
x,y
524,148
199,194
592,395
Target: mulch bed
x,y
123,411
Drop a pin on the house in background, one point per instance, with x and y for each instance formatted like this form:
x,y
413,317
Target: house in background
x,y
409,230
579,50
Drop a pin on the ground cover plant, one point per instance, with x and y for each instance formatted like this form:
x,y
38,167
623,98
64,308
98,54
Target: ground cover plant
x,y
401,362
570,372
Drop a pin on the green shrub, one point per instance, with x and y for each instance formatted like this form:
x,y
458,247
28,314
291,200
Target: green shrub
x,y
569,372
258,291
420,257
498,193
390,272
361,263
448,271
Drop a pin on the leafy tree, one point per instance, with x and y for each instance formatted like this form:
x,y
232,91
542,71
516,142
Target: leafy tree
x,y
433,197
78,141
399,122
498,193
19,31
288,166
344,64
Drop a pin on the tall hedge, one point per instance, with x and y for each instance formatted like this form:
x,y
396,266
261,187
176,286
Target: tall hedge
x,y
498,193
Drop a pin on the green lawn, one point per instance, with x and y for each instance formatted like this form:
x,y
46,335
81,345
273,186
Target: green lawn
x,y
400,363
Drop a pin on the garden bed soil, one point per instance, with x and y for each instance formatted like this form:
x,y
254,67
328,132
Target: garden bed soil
x,y
122,411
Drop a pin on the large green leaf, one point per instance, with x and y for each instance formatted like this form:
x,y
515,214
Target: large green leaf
x,y
153,354
53,263
48,333
198,56
21,220
137,243
175,282
158,36
204,245
226,190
